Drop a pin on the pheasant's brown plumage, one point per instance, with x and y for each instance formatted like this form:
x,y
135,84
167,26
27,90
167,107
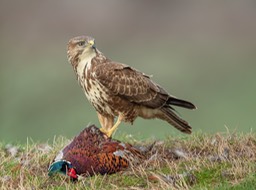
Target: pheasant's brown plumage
x,y
92,152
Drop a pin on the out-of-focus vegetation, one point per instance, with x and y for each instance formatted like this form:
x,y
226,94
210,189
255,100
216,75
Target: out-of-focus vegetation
x,y
200,51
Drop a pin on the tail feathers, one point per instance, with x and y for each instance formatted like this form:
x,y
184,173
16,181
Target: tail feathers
x,y
181,103
180,124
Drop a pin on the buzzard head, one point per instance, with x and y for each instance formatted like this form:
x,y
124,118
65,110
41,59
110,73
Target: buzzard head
x,y
79,47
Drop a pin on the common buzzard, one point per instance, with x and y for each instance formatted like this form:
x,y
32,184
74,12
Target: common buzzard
x,y
118,90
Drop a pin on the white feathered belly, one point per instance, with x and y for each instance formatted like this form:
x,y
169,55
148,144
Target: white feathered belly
x,y
92,89
98,98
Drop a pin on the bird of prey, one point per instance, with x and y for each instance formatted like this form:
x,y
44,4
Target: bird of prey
x,y
118,90
92,152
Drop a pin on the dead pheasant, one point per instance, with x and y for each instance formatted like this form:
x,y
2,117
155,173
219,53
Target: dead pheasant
x,y
92,152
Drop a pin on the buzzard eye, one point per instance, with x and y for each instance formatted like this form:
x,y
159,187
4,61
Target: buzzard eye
x,y
81,43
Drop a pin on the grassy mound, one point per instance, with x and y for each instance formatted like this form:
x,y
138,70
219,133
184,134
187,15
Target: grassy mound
x,y
200,161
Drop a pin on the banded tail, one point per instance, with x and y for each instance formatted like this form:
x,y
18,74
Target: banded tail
x,y
172,118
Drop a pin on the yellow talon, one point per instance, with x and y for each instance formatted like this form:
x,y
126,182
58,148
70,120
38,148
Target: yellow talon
x,y
106,132
112,130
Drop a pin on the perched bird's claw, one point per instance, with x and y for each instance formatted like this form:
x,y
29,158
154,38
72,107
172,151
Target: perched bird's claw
x,y
108,133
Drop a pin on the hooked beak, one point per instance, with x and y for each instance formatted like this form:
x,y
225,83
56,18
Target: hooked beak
x,y
92,44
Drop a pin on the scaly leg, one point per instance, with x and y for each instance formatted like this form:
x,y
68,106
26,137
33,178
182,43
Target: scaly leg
x,y
106,123
101,120
110,131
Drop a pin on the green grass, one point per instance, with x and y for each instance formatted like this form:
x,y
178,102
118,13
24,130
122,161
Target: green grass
x,y
219,161
248,183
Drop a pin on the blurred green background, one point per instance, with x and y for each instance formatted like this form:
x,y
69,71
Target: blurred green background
x,y
202,51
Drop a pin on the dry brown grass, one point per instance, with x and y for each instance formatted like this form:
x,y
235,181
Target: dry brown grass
x,y
200,161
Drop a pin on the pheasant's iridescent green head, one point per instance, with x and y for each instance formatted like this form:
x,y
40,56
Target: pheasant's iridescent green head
x,y
64,167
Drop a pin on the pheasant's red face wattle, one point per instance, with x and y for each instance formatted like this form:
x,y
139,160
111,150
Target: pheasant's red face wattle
x,y
72,173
